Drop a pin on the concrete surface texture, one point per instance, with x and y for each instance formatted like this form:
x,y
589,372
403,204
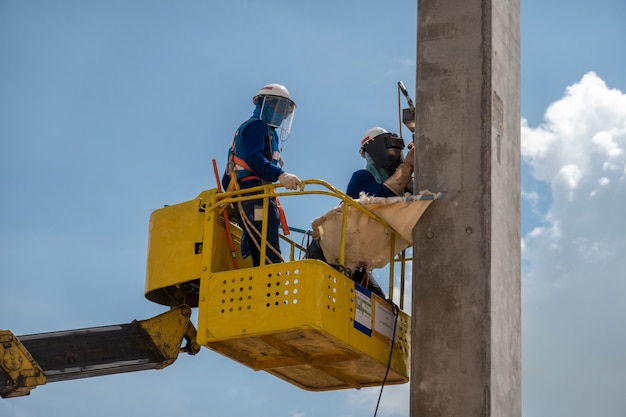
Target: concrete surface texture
x,y
466,317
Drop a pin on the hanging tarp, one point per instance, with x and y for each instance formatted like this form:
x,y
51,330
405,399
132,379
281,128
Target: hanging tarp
x,y
368,241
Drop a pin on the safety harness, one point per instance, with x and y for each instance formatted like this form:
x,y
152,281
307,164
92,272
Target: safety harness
x,y
239,171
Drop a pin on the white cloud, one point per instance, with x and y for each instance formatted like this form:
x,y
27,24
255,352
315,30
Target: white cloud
x,y
586,127
573,284
531,196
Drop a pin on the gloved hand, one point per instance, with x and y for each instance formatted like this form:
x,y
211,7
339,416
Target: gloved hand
x,y
410,156
289,181
399,180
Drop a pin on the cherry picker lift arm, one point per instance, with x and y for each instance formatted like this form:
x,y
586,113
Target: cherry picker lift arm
x,y
29,361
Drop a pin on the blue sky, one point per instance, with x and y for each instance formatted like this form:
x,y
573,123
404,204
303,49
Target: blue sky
x,y
109,110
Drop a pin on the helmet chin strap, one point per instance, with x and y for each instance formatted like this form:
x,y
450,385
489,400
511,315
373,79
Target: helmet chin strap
x,y
380,174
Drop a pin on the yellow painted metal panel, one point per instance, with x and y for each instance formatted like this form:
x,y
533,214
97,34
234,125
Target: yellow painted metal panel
x,y
19,369
175,236
304,322
184,239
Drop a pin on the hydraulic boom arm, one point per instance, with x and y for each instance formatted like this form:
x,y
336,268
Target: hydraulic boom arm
x,y
29,361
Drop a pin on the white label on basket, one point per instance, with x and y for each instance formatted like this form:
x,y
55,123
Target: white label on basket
x,y
383,320
363,311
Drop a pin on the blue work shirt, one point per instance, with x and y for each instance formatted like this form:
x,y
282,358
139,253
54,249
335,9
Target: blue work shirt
x,y
363,181
257,145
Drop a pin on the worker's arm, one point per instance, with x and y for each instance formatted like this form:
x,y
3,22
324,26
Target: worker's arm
x,y
401,177
255,140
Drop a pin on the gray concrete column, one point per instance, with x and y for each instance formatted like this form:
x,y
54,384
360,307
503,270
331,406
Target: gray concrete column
x,y
466,326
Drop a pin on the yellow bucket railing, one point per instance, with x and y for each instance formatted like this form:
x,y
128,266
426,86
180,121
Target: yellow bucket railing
x,y
311,187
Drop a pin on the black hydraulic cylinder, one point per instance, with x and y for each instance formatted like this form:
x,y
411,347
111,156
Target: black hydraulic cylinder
x,y
96,351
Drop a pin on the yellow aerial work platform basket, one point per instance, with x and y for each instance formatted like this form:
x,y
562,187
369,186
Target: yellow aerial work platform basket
x,y
306,323
301,320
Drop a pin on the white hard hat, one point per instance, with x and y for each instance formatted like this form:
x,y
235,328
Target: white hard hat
x,y
369,135
276,108
382,148
277,90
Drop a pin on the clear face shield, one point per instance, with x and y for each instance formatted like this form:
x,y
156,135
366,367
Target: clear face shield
x,y
278,113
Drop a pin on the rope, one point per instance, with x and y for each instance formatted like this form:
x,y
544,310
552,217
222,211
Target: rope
x,y
254,233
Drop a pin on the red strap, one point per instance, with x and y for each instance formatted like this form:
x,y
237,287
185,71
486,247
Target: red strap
x,y
283,218
239,161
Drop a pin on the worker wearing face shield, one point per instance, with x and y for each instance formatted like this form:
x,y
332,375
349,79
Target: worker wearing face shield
x,y
387,173
254,159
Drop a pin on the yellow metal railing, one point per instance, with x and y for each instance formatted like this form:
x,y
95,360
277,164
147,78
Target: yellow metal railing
x,y
311,187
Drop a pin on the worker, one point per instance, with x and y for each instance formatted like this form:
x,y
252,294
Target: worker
x,y
254,159
386,173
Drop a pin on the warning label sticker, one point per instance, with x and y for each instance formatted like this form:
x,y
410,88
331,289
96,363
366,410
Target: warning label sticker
x,y
384,320
363,310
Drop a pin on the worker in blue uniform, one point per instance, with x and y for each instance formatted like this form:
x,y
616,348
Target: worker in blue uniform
x,y
386,173
254,159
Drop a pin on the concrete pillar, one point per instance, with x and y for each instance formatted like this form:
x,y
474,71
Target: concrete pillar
x,y
466,326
